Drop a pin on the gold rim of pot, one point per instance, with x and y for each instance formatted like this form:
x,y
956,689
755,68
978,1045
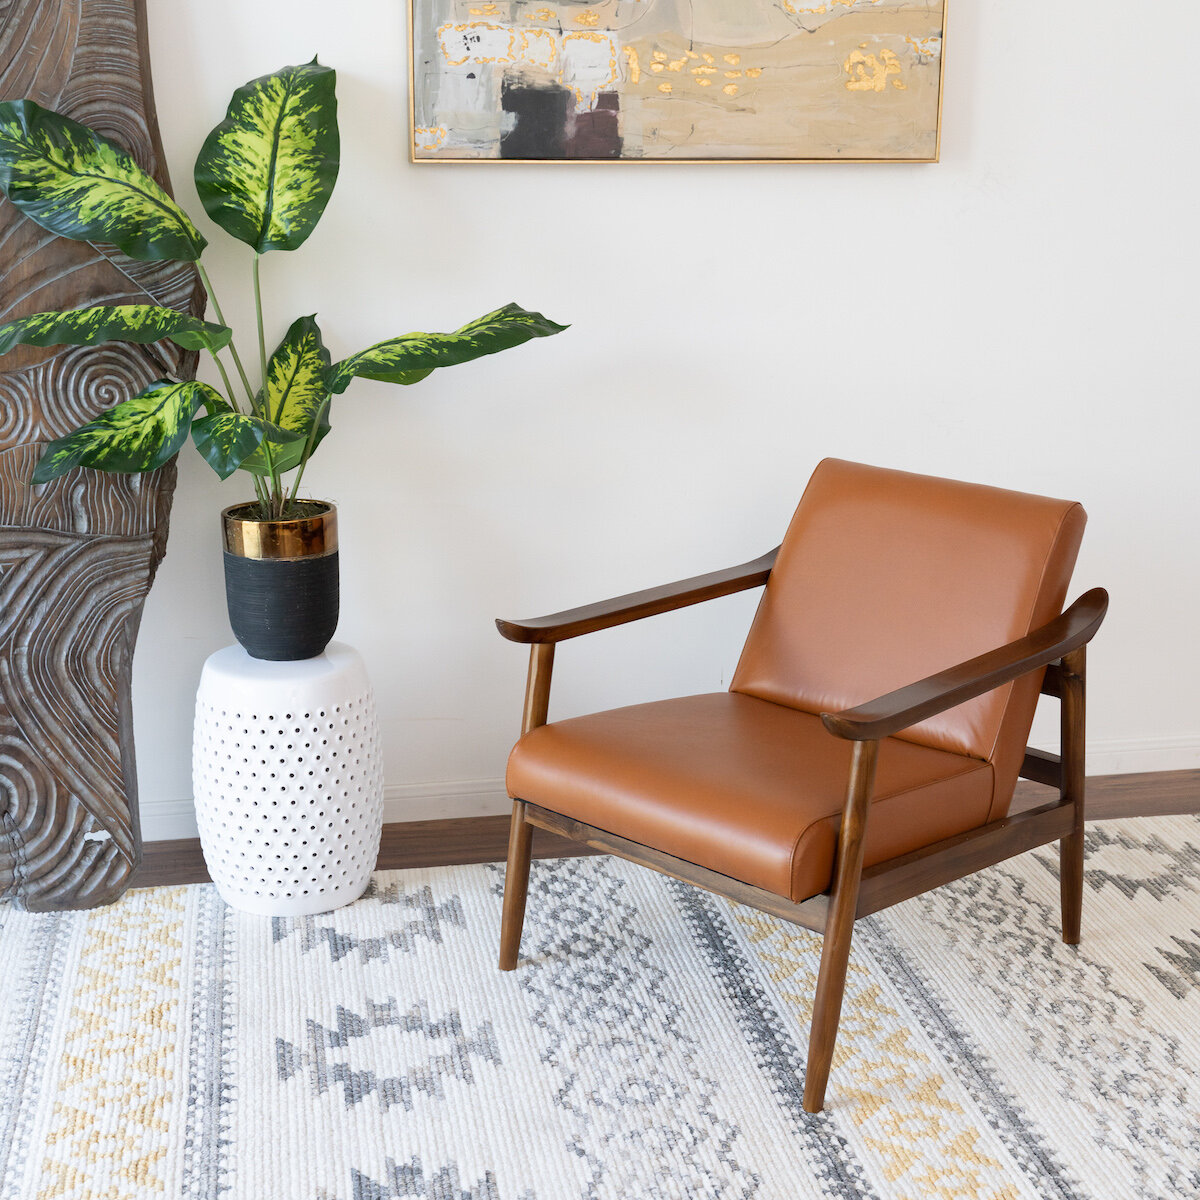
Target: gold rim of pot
x,y
301,537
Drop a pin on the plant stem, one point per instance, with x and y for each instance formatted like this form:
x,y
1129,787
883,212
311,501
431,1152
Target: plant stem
x,y
237,359
261,492
308,447
229,392
260,488
262,343
276,487
277,500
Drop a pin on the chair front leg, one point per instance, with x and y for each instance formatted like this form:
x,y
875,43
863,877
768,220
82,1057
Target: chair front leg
x,y
1073,682
839,926
516,886
520,833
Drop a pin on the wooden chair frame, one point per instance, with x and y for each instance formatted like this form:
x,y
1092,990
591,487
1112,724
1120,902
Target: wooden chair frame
x,y
1058,647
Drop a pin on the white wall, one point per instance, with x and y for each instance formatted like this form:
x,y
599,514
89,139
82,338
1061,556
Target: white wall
x,y
1019,314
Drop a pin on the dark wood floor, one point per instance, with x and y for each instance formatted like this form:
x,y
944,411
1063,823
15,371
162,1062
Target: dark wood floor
x,y
485,839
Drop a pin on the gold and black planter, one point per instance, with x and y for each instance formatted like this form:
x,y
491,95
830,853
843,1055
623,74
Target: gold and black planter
x,y
281,582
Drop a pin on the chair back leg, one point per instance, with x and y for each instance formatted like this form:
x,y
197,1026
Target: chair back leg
x,y
1070,850
516,887
839,928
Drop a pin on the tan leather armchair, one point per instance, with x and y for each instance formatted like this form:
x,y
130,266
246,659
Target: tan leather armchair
x,y
874,731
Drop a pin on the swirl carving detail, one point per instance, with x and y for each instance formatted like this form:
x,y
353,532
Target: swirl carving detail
x,y
78,555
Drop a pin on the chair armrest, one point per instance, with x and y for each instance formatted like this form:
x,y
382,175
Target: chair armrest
x,y
906,706
573,622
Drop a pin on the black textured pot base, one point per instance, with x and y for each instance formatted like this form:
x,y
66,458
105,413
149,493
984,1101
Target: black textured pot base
x,y
282,609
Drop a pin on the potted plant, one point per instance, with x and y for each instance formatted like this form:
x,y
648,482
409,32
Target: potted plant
x,y
264,175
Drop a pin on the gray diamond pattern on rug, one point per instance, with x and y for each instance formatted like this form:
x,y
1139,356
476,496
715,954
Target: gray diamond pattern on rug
x,y
426,923
450,1055
651,1045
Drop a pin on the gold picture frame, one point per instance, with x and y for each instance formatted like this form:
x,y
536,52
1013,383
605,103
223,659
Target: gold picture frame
x,y
619,81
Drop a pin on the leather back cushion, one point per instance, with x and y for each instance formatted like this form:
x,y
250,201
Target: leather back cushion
x,y
885,577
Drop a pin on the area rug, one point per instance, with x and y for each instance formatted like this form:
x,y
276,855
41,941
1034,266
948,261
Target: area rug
x,y
650,1046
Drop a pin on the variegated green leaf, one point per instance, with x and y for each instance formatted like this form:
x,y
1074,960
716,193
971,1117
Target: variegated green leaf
x,y
296,396
296,377
113,323
267,171
138,434
286,448
81,186
226,439
410,358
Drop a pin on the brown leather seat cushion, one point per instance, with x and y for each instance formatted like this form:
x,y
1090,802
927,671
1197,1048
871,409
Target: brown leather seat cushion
x,y
743,786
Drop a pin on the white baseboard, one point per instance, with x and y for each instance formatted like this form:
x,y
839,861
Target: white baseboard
x,y
163,819
166,819
441,801
1126,756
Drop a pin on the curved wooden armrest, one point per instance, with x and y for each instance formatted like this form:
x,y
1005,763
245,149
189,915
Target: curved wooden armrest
x,y
906,706
573,622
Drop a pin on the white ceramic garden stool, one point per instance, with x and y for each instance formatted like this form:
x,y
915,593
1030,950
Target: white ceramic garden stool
x,y
288,779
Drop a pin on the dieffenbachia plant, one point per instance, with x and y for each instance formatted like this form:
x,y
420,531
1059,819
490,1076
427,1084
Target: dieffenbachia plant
x,y
264,175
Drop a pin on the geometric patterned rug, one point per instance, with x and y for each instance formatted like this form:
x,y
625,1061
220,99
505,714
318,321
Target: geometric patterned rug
x,y
650,1046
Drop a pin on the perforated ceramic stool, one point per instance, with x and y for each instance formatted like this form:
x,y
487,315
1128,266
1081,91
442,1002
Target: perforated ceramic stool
x,y
288,780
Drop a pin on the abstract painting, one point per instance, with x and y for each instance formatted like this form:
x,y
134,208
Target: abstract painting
x,y
676,80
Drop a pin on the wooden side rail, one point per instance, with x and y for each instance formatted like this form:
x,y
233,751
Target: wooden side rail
x,y
881,886
902,878
1042,767
811,914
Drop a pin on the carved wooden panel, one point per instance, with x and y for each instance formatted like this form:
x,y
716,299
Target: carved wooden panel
x,y
77,556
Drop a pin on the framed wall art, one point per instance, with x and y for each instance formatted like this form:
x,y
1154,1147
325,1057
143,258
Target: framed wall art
x,y
676,80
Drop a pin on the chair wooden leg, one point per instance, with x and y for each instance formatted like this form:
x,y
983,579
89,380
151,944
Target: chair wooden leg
x,y
1070,850
520,832
839,929
1070,878
516,886
827,1011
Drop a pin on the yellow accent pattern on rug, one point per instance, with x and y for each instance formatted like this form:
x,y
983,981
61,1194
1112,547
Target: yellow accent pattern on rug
x,y
930,1156
116,1085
